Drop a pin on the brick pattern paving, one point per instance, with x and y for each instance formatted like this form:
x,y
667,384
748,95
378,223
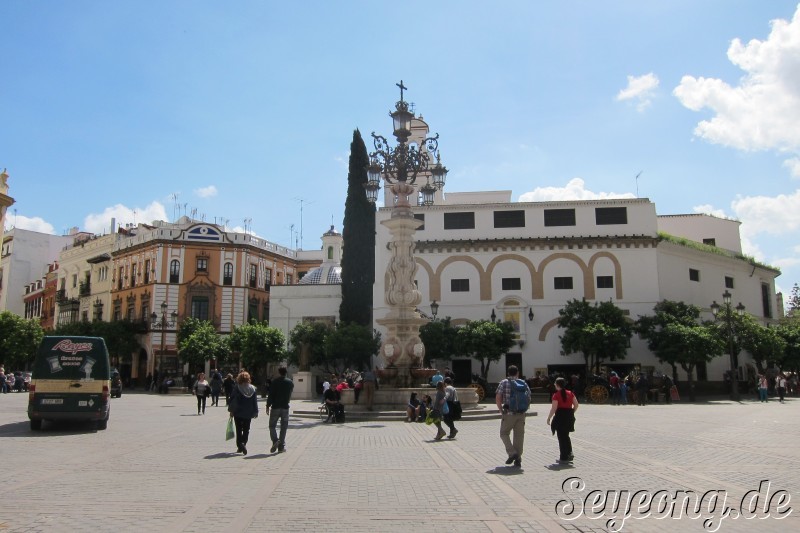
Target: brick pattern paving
x,y
160,467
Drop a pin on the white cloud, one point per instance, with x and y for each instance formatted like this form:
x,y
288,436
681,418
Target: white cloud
x,y
206,192
641,89
777,215
793,165
575,190
101,223
763,110
708,209
29,223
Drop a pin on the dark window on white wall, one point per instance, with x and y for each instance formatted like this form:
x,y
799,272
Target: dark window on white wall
x,y
459,285
729,282
611,215
694,274
710,242
462,220
559,217
562,283
509,219
765,300
605,282
511,284
421,218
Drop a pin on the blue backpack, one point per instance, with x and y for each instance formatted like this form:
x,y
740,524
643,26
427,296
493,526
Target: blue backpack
x,y
520,398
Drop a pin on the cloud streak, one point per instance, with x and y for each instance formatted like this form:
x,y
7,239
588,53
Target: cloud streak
x,y
640,89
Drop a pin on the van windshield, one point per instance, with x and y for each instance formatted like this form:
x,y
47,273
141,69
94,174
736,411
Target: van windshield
x,y
73,358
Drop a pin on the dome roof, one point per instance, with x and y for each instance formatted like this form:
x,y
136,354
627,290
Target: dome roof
x,y
323,275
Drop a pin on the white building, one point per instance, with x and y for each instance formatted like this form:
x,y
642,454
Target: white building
x,y
25,257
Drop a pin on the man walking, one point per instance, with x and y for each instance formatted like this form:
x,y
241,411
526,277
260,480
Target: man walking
x,y
280,392
368,381
513,398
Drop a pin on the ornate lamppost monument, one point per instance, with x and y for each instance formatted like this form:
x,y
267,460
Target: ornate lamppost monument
x,y
162,323
400,167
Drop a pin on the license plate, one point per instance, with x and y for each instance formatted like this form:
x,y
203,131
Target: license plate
x,y
52,401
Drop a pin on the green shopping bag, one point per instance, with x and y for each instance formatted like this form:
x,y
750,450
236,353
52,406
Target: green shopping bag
x,y
229,432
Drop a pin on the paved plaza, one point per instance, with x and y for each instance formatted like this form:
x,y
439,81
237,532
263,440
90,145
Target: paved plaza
x,y
160,467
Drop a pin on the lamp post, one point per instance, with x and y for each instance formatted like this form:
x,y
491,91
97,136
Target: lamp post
x,y
163,323
728,318
434,309
401,167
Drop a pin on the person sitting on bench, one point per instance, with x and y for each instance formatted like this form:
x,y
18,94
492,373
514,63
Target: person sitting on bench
x,y
333,403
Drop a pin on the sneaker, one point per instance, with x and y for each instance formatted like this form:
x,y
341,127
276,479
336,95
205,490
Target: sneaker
x,y
452,434
512,458
274,447
518,462
439,435
281,448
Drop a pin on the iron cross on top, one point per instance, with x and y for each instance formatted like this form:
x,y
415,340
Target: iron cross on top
x,y
402,88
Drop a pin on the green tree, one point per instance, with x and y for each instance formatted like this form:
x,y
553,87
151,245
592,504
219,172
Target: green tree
x,y
259,344
485,341
793,303
186,328
358,236
19,340
790,333
439,338
120,337
350,346
676,336
308,336
600,332
203,344
764,344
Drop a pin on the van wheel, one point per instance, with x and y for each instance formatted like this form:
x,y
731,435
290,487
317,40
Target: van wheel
x,y
36,425
102,424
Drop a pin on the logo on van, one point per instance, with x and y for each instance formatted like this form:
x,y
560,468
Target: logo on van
x,y
73,347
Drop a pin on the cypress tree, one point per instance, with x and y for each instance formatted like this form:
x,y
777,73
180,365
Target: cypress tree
x,y
358,236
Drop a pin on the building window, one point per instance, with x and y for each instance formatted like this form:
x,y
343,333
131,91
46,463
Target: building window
x,y
511,284
765,300
131,313
200,307
509,219
253,275
463,220
74,280
728,282
265,312
147,271
694,274
611,215
459,285
252,311
710,242
133,275
605,282
267,278
330,252
227,274
559,217
289,279
174,271
562,283
202,264
421,218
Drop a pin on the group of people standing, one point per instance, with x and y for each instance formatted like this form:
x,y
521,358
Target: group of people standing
x,y
783,385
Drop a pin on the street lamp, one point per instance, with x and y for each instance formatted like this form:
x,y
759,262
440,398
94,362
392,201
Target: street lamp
x,y
400,167
163,323
728,318
434,309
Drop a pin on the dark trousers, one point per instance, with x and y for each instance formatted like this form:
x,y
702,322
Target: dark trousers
x,y
214,398
781,393
564,444
242,430
274,415
201,403
448,420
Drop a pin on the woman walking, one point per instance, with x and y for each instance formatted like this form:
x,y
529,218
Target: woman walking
x,y
562,419
216,387
201,389
243,407
762,388
439,406
228,384
450,397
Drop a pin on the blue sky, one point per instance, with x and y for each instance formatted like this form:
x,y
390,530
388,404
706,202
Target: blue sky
x,y
244,111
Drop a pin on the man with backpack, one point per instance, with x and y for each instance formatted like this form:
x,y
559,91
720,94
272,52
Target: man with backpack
x,y
513,399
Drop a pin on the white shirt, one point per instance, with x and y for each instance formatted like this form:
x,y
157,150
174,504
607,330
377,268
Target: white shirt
x,y
325,386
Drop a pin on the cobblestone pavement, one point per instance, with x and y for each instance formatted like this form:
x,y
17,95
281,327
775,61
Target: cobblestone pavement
x,y
160,467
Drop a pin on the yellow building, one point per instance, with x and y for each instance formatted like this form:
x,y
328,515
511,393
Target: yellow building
x,y
165,272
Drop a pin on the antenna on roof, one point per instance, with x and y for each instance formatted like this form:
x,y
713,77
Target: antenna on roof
x,y
637,182
301,200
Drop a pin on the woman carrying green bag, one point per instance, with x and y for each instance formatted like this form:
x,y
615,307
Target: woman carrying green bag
x,y
229,432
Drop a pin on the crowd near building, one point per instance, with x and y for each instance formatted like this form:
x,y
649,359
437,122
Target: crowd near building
x,y
480,255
